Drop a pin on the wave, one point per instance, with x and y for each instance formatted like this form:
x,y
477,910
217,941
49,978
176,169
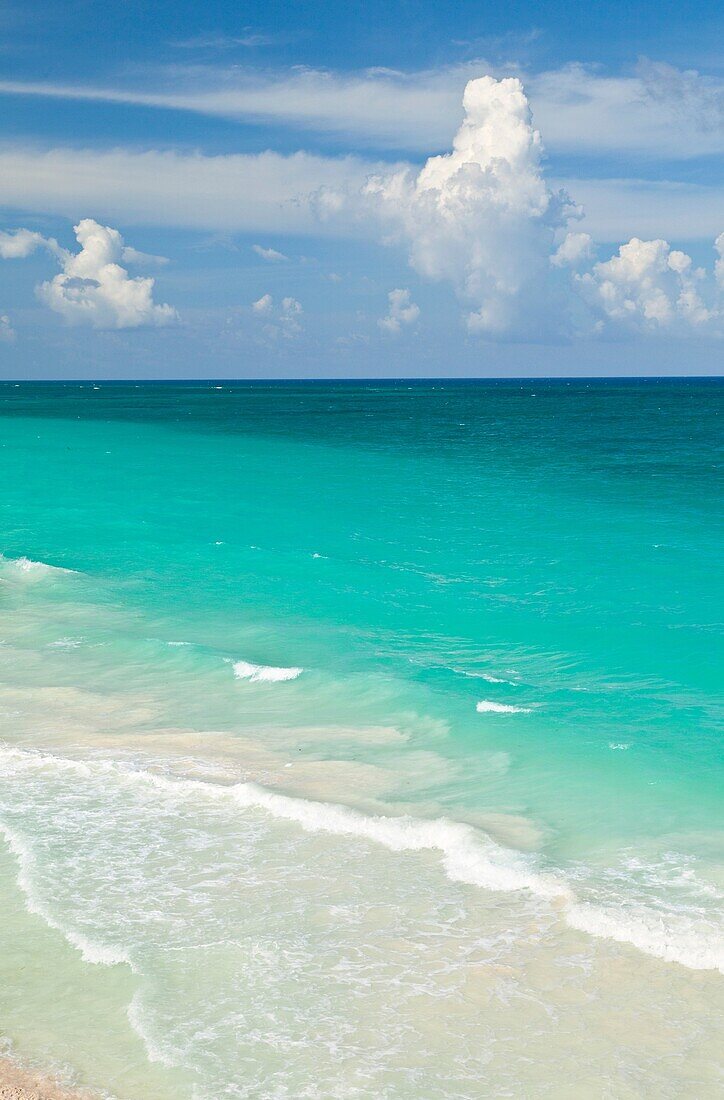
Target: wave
x,y
467,855
486,706
258,674
27,569
100,954
647,931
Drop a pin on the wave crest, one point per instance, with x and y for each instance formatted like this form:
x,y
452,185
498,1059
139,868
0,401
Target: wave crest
x,y
487,706
267,674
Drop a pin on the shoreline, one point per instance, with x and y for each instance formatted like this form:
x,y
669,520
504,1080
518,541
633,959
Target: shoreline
x,y
17,1082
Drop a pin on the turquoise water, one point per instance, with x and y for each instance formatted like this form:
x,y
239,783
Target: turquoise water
x,y
328,708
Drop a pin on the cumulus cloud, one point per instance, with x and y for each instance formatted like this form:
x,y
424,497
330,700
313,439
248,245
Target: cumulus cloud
x,y
263,305
283,319
269,254
92,287
574,249
719,263
21,243
482,216
402,311
7,332
649,286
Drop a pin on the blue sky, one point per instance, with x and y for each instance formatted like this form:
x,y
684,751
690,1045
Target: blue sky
x,y
256,193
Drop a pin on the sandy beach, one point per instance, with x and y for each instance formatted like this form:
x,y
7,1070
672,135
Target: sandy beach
x,y
17,1083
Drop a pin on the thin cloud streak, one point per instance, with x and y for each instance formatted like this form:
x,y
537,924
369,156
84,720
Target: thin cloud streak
x,y
658,112
272,193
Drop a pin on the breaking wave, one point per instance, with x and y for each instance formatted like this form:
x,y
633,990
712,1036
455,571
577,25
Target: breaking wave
x,y
267,674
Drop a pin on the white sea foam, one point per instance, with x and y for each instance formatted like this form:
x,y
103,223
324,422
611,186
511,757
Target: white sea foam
x,y
674,939
257,674
138,1020
467,855
92,952
486,706
27,569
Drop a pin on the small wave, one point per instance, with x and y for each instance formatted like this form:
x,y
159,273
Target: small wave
x,y
486,706
467,855
673,940
91,952
138,1019
28,569
267,674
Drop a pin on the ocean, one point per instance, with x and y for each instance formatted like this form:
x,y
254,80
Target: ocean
x,y
363,739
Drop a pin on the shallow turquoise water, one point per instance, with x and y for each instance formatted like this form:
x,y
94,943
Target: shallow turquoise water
x,y
427,554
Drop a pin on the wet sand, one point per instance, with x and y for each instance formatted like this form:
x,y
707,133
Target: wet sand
x,y
17,1083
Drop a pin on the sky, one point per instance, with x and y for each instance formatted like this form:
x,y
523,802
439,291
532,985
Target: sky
x,y
369,189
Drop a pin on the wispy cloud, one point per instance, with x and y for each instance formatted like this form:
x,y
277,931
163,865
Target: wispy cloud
x,y
272,193
256,193
657,111
7,332
269,254
249,40
280,320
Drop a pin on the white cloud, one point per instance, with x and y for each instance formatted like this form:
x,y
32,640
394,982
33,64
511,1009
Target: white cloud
x,y
657,111
264,192
719,264
269,254
574,250
584,111
484,219
7,332
481,216
271,193
264,304
142,259
223,41
651,287
616,209
93,288
402,311
427,104
283,320
21,243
